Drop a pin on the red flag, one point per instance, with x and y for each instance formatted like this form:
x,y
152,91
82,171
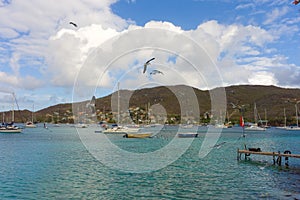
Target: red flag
x,y
242,121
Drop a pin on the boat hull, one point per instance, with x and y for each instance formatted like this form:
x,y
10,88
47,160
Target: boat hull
x,y
292,128
255,128
118,130
137,135
30,126
10,130
187,135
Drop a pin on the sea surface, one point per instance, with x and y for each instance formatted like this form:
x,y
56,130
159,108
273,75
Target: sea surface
x,y
53,163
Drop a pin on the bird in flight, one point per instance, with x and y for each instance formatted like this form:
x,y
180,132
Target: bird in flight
x,y
218,145
72,23
156,72
296,2
146,64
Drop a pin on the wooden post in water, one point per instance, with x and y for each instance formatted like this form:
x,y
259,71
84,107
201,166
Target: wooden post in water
x,y
279,159
238,155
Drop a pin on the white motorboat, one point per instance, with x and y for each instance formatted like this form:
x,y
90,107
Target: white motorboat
x,y
254,127
121,129
30,124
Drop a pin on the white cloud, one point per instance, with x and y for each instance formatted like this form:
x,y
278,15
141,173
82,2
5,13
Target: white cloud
x,y
276,14
40,30
30,83
8,79
233,37
68,50
238,52
27,82
28,26
163,25
245,6
262,78
8,33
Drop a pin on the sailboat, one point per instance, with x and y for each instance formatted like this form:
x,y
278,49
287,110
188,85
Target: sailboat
x,y
294,128
255,127
116,129
283,127
30,124
10,127
265,122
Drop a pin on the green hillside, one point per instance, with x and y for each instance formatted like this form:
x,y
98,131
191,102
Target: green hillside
x,y
270,102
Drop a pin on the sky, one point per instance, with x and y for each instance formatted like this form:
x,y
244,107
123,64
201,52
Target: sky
x,y
45,60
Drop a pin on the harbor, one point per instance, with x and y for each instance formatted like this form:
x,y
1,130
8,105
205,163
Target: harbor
x,y
46,163
155,100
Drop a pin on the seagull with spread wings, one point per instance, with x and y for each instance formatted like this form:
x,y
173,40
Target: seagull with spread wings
x,y
155,71
146,64
72,23
296,2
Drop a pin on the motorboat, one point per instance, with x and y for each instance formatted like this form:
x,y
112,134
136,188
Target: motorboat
x,y
187,135
137,135
254,127
116,129
30,124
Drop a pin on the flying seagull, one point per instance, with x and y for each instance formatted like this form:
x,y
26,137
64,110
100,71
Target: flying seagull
x,y
72,23
146,64
156,72
296,2
218,145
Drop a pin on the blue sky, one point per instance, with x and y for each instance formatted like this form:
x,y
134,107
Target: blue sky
x,y
186,13
43,57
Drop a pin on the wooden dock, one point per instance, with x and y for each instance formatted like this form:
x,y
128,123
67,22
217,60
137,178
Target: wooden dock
x,y
277,156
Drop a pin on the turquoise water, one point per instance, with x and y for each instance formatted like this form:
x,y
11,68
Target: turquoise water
x,y
53,163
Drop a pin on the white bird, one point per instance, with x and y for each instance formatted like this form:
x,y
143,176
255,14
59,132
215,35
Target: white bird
x,y
156,72
218,145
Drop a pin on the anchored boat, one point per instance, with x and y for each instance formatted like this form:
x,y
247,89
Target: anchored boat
x,y
137,135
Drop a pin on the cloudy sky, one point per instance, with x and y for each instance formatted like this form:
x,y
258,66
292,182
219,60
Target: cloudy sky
x,y
44,59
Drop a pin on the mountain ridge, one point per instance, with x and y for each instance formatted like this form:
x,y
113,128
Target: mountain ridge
x,y
270,99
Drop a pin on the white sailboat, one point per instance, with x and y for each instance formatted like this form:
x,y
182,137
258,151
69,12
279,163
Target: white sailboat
x,y
10,127
294,128
255,127
120,129
265,122
30,124
283,127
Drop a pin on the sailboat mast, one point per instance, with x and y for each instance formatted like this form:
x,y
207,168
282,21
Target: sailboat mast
x,y
284,117
255,113
32,113
13,110
148,113
296,105
118,118
266,117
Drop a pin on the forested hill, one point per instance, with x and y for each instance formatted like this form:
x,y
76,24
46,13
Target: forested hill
x,y
270,100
